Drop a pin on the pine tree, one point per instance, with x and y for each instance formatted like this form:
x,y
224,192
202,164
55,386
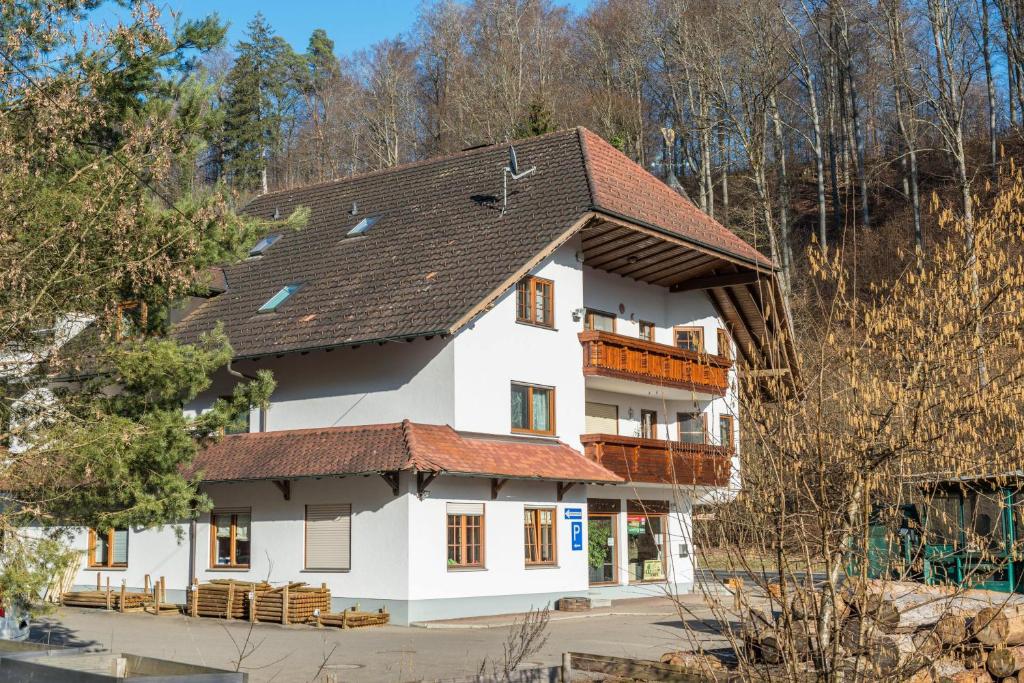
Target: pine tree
x,y
260,98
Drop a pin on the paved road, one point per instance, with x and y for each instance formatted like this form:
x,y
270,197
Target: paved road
x,y
635,628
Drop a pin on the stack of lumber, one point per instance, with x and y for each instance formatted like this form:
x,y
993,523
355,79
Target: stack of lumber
x,y
105,599
352,618
899,631
293,603
224,598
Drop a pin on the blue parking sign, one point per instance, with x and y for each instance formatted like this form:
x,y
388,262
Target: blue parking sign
x,y
577,535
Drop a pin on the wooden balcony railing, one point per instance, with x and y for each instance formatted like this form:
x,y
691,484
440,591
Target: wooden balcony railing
x,y
660,462
613,355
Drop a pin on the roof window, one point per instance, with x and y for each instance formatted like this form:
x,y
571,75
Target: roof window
x,y
264,244
362,227
279,298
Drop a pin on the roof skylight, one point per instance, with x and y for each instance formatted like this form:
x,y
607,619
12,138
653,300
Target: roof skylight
x,y
279,298
362,227
264,244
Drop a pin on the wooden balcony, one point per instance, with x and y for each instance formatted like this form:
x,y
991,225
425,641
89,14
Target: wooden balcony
x,y
614,355
655,461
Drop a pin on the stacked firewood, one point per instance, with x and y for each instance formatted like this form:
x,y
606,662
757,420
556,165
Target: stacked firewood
x,y
293,603
224,598
897,631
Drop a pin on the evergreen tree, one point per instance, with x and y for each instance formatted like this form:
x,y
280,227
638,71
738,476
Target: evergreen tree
x,y
260,98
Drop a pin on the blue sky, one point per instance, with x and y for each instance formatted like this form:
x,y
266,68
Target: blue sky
x,y
352,24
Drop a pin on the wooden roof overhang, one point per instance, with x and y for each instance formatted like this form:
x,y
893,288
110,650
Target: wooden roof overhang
x,y
747,294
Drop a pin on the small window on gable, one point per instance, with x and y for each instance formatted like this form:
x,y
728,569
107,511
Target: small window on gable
x,y
279,298
535,301
264,244
362,227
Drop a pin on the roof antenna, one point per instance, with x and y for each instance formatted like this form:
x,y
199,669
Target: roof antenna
x,y
355,209
511,170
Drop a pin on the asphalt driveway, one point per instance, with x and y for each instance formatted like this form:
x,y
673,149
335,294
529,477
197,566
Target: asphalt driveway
x,y
642,628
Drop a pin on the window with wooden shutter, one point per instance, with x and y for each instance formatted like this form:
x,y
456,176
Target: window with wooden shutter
x,y
602,418
329,537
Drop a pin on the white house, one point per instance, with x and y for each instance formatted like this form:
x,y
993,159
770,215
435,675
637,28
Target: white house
x,y
487,399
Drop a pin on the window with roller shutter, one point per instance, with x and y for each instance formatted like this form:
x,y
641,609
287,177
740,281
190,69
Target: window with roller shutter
x,y
329,537
601,418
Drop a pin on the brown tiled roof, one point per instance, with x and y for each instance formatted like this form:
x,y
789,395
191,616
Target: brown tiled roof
x,y
440,246
392,447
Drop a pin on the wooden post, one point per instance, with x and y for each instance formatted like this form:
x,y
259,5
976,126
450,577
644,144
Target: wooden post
x,y
163,589
146,585
252,602
99,585
344,619
124,590
109,594
231,600
566,667
156,600
284,605
194,611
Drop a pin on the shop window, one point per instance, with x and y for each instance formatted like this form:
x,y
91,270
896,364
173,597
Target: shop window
x,y
539,535
689,338
533,409
535,301
465,535
646,534
600,321
231,542
108,548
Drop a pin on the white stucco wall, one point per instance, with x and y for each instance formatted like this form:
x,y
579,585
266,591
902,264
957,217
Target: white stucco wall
x,y
372,384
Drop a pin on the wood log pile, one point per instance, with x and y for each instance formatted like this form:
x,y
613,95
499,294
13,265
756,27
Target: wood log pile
x,y
353,618
898,631
105,599
224,598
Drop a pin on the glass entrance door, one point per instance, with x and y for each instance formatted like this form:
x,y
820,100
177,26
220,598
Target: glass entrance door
x,y
601,548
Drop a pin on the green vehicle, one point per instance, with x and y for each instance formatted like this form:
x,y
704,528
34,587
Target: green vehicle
x,y
965,531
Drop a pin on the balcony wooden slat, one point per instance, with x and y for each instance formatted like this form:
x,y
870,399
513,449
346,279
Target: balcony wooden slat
x,y
606,354
655,461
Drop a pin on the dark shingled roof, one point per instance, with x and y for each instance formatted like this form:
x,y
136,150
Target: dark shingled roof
x,y
440,245
335,451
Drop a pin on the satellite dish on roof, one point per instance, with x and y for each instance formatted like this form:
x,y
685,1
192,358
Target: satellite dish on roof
x,y
512,170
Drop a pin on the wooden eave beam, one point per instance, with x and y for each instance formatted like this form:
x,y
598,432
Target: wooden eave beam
x,y
654,255
744,340
285,487
563,488
610,250
423,480
695,272
601,235
391,479
752,331
630,259
672,274
679,257
714,281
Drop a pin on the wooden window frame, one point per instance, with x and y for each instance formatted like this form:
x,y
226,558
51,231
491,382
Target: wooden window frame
x,y
704,427
649,326
462,544
729,420
110,564
529,412
535,512
654,423
591,312
122,309
530,318
234,512
724,345
689,328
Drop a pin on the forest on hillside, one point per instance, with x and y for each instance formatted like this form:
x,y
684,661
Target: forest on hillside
x,y
824,120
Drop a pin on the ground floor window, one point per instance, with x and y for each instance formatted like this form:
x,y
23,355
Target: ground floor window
x,y
539,535
108,548
329,537
465,535
646,534
231,538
